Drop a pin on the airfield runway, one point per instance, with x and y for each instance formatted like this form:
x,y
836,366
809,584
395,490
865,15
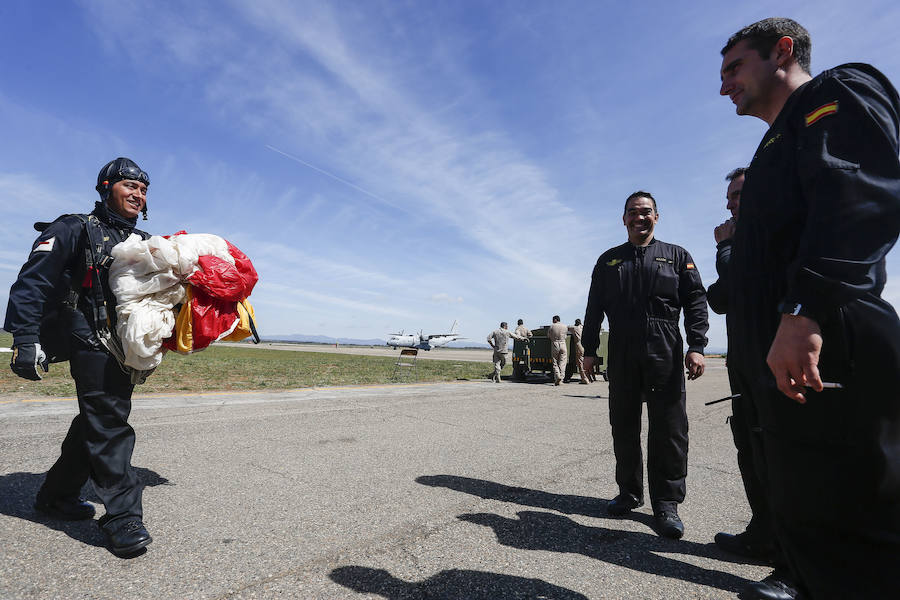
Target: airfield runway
x,y
464,354
467,490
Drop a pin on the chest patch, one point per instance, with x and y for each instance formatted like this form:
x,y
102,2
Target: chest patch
x,y
821,112
45,246
771,140
613,262
663,259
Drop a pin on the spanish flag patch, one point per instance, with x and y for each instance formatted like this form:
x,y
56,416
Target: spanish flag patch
x,y
689,266
822,111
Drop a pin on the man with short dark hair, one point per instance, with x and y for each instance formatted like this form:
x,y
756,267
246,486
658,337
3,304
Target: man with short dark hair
x,y
58,279
758,540
526,336
642,287
811,341
556,335
577,331
523,331
499,341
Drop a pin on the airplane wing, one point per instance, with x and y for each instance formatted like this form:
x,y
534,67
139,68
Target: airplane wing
x,y
451,334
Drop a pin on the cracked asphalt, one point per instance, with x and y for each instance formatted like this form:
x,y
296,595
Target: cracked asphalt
x,y
458,490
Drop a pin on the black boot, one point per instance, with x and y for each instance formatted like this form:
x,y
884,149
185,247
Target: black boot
x,y
668,523
777,586
746,544
70,508
126,536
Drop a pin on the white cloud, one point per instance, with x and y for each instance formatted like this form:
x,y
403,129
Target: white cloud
x,y
443,298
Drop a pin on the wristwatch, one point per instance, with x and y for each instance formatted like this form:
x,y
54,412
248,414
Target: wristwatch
x,y
796,309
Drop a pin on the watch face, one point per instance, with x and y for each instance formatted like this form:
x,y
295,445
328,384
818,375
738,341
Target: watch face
x,y
790,308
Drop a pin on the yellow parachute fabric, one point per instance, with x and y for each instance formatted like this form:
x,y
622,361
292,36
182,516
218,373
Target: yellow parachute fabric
x,y
245,310
183,333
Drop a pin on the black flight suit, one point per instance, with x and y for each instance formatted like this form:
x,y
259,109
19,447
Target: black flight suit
x,y
820,209
643,290
744,421
100,441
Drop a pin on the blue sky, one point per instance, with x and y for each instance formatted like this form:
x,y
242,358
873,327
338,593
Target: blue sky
x,y
396,165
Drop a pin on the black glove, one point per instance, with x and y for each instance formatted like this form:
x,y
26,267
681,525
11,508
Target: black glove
x,y
25,361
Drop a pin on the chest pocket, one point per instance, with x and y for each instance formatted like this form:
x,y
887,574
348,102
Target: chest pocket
x,y
665,281
613,283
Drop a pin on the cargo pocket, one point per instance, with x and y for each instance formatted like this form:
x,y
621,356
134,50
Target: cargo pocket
x,y
663,352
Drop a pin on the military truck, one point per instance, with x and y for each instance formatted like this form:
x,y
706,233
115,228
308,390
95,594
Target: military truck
x,y
532,357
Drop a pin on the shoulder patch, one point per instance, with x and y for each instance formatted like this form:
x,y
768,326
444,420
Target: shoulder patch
x,y
613,262
45,246
689,266
822,111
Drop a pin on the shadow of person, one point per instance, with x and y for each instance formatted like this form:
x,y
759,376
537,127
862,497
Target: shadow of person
x,y
452,584
536,530
489,490
18,490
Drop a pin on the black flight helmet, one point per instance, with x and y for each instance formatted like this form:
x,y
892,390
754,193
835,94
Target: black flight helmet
x,y
117,170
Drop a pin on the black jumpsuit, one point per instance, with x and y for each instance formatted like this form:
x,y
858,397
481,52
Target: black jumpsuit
x,y
820,209
744,421
643,290
100,441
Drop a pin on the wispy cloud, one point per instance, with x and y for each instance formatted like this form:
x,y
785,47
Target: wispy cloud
x,y
320,299
328,174
443,298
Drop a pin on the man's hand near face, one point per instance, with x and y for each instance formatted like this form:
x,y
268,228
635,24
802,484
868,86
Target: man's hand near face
x,y
725,231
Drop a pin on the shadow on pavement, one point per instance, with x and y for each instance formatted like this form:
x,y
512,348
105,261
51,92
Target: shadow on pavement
x,y
535,530
452,584
17,492
564,503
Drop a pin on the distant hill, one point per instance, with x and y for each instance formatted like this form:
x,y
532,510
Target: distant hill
x,y
321,339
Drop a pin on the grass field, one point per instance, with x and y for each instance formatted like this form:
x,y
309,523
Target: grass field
x,y
231,368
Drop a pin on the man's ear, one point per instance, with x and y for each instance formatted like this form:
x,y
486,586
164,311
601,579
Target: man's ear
x,y
784,50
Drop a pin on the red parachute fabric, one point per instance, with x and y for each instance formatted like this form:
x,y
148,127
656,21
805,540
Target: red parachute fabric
x,y
221,279
215,291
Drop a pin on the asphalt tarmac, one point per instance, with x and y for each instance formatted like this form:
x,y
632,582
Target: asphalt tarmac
x,y
467,490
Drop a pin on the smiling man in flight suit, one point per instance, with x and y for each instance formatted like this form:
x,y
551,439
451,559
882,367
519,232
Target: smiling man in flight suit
x,y
642,286
56,276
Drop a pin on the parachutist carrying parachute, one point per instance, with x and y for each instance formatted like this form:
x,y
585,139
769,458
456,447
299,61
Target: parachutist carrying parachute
x,y
97,292
62,301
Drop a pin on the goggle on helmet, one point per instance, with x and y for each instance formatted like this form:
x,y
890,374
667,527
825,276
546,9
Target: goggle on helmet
x,y
118,170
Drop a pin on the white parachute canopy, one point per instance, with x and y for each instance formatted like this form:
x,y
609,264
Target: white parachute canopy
x,y
147,278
